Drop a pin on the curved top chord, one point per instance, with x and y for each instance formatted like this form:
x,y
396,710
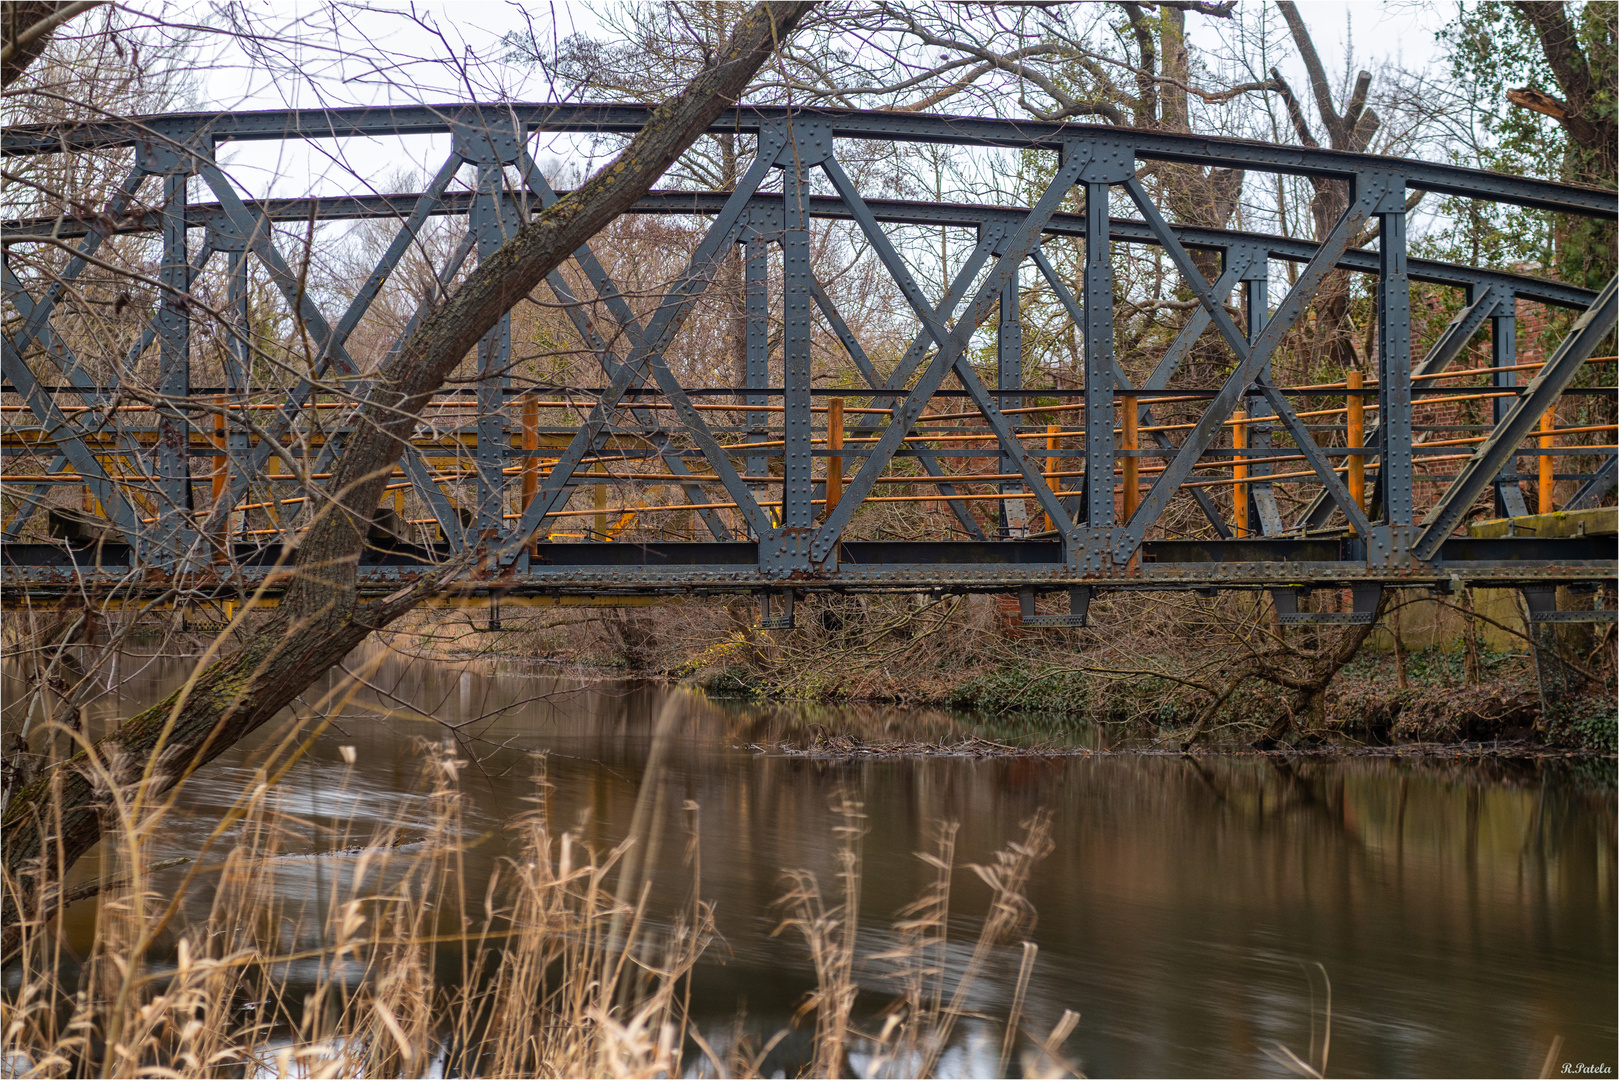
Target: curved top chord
x,y
891,211
195,129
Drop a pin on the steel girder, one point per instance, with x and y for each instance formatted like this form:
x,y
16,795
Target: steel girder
x,y
888,211
792,542
193,129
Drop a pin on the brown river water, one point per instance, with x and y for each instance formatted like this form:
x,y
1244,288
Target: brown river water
x,y
1464,912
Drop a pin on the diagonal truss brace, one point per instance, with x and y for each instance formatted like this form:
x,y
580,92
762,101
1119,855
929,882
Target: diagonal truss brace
x,y
666,321
68,441
254,231
917,351
1541,393
1162,372
952,345
35,322
1452,340
1251,362
928,459
608,292
1601,482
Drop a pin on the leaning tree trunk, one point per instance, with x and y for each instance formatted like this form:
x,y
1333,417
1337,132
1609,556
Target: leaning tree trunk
x,y
50,823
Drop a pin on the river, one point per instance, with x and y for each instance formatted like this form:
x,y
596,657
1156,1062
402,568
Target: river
x,y
1464,912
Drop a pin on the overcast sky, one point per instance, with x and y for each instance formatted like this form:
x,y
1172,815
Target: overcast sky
x,y
1401,31
397,52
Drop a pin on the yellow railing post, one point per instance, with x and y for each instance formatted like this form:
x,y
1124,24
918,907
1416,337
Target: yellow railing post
x,y
219,477
1547,422
1132,465
1239,471
273,505
1053,466
1357,439
599,501
219,444
834,462
531,462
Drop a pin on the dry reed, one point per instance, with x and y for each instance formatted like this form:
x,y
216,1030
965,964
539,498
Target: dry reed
x,y
389,968
410,974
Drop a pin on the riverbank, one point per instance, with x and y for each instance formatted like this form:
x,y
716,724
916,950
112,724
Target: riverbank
x,y
1366,706
1147,687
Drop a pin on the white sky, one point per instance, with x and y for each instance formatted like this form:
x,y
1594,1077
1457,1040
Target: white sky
x,y
385,45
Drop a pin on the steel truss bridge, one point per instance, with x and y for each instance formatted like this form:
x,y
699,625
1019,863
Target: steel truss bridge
x,y
1083,487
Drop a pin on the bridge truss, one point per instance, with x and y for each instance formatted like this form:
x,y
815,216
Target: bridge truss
x,y
202,487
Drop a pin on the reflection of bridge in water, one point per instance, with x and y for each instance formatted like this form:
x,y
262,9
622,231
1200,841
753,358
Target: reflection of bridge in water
x,y
1087,488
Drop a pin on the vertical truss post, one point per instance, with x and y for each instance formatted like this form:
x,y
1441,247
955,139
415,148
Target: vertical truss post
x,y
1261,496
1098,332
1509,500
798,301
785,547
173,456
1394,358
756,275
238,366
1009,376
495,218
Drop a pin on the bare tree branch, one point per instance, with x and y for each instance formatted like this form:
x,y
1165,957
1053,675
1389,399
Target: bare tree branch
x,y
27,26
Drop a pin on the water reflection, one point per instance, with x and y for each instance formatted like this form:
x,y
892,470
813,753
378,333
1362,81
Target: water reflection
x,y
1465,914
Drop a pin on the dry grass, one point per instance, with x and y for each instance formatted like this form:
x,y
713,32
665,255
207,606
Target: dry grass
x,y
410,971
393,970
932,997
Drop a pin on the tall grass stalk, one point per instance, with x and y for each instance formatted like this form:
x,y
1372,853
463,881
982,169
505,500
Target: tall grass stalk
x,y
408,970
388,967
932,998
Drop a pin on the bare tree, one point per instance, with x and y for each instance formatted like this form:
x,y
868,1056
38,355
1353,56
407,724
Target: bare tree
x,y
1352,130
26,27
49,823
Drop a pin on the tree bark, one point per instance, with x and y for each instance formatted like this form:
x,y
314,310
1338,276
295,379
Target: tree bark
x,y
26,27
1350,130
1580,112
321,618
